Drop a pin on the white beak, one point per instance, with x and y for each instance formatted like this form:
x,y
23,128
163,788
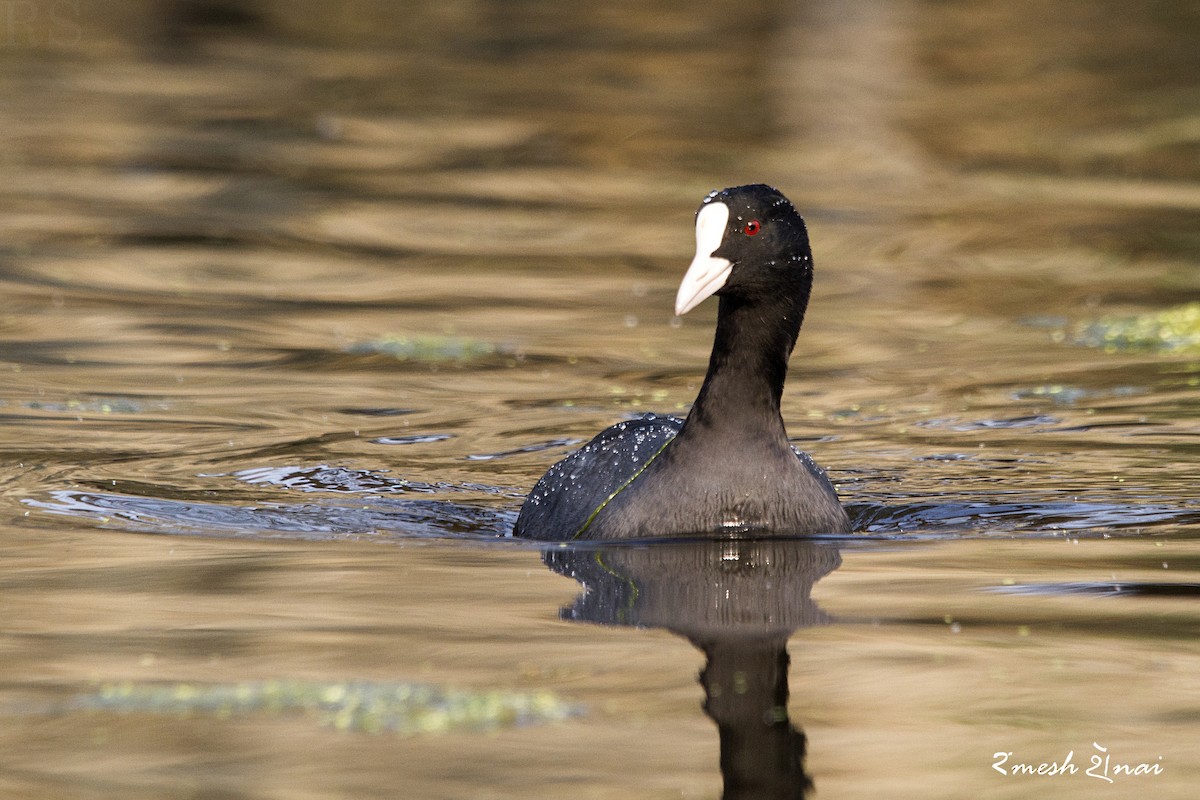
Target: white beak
x,y
707,273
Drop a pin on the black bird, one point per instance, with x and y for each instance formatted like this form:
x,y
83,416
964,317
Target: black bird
x,y
727,468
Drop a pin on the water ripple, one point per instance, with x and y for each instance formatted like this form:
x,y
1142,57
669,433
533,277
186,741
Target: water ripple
x,y
383,518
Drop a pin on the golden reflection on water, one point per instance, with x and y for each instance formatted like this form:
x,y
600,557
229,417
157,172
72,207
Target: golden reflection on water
x,y
218,223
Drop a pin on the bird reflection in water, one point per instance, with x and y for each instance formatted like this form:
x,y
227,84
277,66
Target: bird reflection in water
x,y
738,601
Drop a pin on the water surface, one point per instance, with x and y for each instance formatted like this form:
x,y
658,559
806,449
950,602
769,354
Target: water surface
x,y
299,302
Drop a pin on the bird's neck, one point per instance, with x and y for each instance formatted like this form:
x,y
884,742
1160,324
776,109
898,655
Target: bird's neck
x,y
742,390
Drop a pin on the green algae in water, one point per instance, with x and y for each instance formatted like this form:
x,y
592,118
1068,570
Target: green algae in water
x,y
426,348
1061,394
1171,330
408,709
99,405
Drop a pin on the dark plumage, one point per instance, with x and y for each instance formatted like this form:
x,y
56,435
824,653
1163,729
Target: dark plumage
x,y
729,467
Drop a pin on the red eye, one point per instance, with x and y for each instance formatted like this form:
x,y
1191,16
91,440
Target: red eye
x,y
752,227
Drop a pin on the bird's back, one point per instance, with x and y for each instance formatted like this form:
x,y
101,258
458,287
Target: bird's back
x,y
564,501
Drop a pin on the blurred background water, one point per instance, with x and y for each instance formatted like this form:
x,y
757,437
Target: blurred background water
x,y
312,293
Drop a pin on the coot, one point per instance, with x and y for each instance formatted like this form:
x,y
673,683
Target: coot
x,y
727,468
